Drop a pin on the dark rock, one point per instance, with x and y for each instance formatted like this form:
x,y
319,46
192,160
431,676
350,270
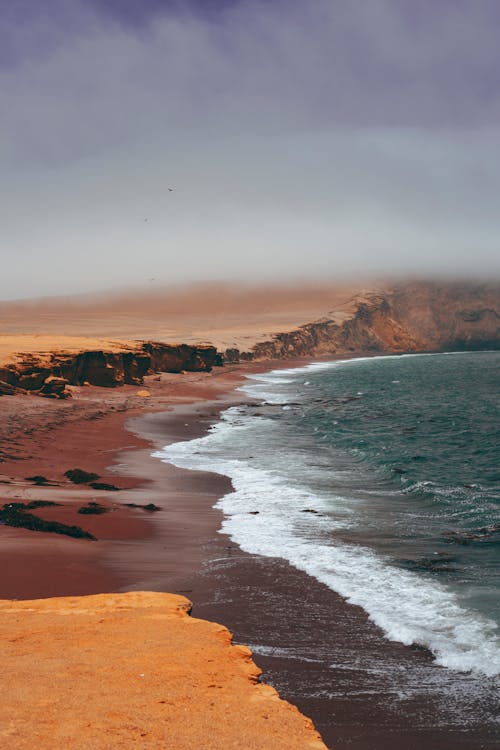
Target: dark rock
x,y
104,486
136,366
54,386
33,381
38,479
9,375
92,509
31,505
6,389
231,356
10,515
79,476
151,507
100,368
182,357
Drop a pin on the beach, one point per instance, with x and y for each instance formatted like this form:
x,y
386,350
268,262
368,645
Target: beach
x,y
288,618
153,526
134,549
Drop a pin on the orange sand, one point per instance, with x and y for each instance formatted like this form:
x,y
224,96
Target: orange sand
x,y
225,315
13,347
134,670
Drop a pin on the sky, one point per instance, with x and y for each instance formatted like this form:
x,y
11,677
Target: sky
x,y
162,141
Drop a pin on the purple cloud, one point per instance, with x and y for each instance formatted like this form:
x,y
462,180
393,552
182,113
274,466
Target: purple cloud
x,y
347,133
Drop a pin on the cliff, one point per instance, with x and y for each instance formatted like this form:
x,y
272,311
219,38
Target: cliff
x,y
48,373
412,317
134,669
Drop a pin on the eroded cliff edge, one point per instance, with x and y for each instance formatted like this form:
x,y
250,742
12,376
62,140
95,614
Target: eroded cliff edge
x,y
48,373
411,317
407,317
134,669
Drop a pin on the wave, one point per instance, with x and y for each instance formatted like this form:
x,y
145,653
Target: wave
x,y
266,515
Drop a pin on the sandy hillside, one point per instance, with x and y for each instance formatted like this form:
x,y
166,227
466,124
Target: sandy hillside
x,y
224,315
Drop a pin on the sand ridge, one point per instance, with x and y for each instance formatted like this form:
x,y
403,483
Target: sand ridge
x,y
134,669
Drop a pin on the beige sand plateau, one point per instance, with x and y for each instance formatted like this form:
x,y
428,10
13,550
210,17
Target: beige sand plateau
x,y
134,670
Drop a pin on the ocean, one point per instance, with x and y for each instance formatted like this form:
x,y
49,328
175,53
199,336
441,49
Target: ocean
x,y
379,477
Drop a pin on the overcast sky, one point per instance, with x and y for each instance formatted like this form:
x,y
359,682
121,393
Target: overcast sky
x,y
299,138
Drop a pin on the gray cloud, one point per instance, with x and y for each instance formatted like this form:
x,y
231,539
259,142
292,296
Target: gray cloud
x,y
301,139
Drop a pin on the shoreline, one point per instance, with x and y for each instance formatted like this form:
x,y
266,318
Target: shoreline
x,y
182,552
255,596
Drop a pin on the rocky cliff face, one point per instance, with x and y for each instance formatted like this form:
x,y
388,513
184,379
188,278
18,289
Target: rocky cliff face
x,y
412,317
45,374
449,316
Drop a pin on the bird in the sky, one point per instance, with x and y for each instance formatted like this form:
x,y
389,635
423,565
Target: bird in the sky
x,y
171,190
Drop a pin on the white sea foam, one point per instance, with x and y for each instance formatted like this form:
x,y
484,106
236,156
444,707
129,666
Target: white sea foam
x,y
406,606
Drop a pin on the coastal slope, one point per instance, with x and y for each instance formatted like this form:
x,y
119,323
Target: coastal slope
x,y
123,670
60,338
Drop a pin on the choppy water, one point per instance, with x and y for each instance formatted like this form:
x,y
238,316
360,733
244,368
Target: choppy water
x,y
381,478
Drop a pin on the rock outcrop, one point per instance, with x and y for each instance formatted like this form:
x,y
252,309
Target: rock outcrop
x,y
450,316
412,317
48,375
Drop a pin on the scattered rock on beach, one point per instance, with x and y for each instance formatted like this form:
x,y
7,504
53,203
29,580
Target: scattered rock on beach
x,y
79,476
104,486
15,515
151,507
32,505
92,509
38,479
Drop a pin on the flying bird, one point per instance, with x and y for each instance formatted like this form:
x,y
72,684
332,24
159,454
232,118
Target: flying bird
x,y
171,190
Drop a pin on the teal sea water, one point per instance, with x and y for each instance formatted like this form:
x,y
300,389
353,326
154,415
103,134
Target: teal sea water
x,y
381,478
